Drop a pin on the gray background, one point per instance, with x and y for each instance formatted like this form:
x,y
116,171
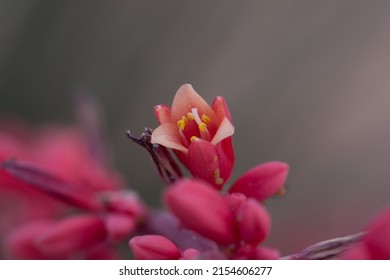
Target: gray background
x,y
307,83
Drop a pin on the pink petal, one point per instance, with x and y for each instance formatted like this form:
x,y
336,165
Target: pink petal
x,y
125,202
201,208
225,130
19,243
221,109
203,162
72,234
189,254
119,226
249,252
187,98
226,155
167,135
163,113
357,252
153,247
262,181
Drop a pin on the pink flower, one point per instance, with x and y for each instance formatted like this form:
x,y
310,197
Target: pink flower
x,y
48,239
153,247
376,243
71,235
201,208
200,135
262,181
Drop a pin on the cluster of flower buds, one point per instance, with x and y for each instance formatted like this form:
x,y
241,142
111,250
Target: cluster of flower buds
x,y
235,222
61,199
65,201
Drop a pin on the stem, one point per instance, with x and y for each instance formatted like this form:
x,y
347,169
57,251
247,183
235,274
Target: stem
x,y
328,249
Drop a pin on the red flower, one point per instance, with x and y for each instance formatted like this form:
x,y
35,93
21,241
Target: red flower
x,y
200,135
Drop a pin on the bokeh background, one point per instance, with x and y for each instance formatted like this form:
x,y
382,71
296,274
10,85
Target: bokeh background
x,y
307,83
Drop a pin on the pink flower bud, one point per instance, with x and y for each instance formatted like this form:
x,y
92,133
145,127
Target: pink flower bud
x,y
262,181
201,208
377,239
357,252
72,234
153,247
249,252
253,222
119,226
189,254
125,203
19,243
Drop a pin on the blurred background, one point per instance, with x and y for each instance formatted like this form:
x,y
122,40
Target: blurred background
x,y
307,83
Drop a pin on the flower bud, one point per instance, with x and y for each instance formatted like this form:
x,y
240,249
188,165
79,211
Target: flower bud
x,y
201,208
153,247
377,239
72,234
119,226
20,244
262,181
253,222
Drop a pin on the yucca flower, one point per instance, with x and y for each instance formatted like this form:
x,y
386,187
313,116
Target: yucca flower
x,y
200,134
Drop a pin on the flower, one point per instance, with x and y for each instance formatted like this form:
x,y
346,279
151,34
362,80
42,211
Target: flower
x,y
376,243
48,175
200,135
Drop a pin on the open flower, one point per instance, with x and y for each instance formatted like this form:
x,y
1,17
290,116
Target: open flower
x,y
199,134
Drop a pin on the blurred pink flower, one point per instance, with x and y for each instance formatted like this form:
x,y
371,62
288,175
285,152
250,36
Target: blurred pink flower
x,y
376,243
50,173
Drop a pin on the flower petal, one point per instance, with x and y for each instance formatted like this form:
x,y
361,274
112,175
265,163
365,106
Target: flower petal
x,y
225,130
204,162
163,113
167,135
221,109
187,98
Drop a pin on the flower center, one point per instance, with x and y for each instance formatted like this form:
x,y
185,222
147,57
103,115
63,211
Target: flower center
x,y
192,126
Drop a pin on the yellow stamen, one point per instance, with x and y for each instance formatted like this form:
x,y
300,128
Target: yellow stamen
x,y
217,177
205,118
181,124
190,116
281,191
185,119
193,138
202,127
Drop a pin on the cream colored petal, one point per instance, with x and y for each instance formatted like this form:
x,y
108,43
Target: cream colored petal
x,y
187,98
225,130
163,113
167,135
